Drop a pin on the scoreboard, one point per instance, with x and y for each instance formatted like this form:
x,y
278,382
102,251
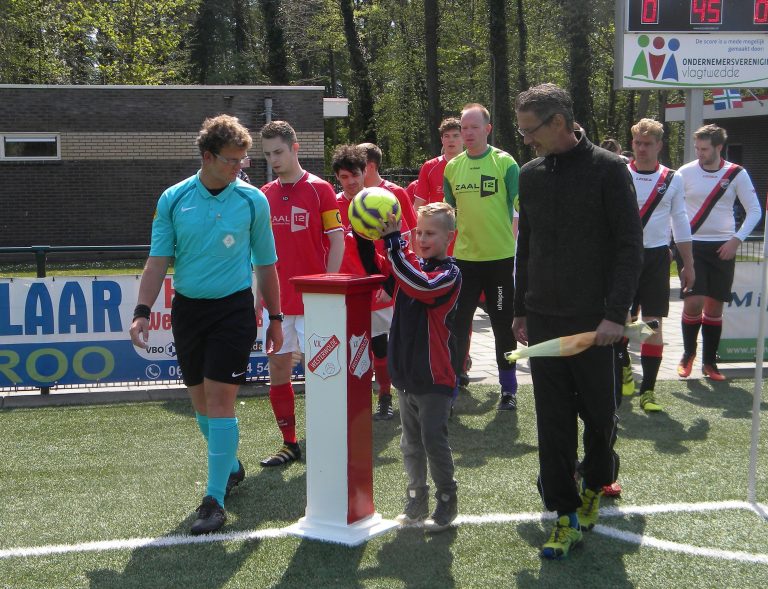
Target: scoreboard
x,y
712,16
691,44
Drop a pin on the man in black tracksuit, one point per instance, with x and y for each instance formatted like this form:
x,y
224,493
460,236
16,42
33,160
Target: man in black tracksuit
x,y
579,258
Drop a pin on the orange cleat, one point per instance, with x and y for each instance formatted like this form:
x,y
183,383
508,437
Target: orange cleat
x,y
686,365
712,372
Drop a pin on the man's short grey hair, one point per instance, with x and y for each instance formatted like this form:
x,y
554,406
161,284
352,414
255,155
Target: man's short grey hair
x,y
545,101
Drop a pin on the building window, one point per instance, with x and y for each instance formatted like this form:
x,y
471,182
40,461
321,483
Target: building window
x,y
30,146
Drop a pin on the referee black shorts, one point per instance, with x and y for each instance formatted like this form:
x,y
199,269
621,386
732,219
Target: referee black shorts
x,y
714,277
214,337
652,296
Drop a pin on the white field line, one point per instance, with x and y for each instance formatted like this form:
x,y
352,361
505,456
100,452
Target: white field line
x,y
642,540
493,518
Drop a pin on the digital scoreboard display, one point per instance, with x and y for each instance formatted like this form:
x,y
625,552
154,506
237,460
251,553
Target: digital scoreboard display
x,y
724,16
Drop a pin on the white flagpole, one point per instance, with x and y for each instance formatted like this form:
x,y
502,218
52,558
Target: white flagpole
x,y
760,102
759,354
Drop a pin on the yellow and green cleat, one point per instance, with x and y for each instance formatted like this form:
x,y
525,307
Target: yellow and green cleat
x,y
648,402
561,540
628,382
590,508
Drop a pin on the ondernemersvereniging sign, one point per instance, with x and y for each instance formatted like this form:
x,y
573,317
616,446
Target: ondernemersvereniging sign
x,y
682,60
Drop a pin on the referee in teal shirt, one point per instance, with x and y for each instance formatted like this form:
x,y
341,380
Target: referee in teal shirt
x,y
217,228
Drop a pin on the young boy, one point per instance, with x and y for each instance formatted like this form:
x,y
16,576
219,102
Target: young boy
x,y
422,359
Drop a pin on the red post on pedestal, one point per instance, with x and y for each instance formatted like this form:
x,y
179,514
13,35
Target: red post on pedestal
x,y
339,370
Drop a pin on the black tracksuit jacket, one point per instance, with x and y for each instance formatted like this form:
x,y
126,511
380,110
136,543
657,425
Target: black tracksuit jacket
x,y
580,241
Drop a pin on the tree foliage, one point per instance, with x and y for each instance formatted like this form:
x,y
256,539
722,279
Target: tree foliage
x,y
403,64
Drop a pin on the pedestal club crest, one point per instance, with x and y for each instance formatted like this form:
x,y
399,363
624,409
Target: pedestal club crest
x,y
359,354
324,356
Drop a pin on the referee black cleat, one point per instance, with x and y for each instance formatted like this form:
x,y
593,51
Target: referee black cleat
x,y
235,478
210,517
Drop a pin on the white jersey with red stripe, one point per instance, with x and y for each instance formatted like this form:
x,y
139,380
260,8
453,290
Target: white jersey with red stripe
x,y
699,185
670,210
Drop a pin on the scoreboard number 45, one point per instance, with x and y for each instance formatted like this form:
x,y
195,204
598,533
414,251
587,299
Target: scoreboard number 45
x,y
702,12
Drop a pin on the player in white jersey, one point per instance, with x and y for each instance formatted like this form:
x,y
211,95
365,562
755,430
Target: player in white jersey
x,y
660,201
712,186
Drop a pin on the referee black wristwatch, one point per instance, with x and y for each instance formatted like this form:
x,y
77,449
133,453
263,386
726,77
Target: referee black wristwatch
x,y
278,317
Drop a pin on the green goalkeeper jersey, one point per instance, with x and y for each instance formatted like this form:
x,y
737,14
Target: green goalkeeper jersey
x,y
483,190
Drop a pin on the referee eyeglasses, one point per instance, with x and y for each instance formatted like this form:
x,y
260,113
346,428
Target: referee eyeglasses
x,y
233,161
527,133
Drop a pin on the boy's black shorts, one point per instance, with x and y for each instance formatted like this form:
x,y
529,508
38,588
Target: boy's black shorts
x,y
214,337
714,277
652,296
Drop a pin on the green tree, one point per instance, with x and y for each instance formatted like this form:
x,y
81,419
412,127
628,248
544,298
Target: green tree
x,y
431,43
364,121
501,112
277,60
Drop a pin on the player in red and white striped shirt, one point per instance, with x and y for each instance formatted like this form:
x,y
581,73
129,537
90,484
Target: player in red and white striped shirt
x,y
660,200
712,186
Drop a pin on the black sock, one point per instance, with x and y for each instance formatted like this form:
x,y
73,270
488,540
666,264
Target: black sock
x,y
711,330
691,326
651,365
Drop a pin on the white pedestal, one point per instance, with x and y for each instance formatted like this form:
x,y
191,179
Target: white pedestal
x,y
338,368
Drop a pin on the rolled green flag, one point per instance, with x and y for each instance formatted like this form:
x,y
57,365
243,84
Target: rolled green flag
x,y
570,345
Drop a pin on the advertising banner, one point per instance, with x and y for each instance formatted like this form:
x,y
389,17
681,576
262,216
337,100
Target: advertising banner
x,y
740,317
680,60
74,331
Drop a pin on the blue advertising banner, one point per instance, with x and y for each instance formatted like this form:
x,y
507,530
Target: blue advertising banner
x,y
74,330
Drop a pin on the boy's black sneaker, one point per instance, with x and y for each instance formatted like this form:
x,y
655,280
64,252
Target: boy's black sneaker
x,y
210,517
235,478
416,509
384,411
508,402
445,512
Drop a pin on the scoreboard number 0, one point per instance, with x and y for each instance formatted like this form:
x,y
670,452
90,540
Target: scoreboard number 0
x,y
693,15
761,12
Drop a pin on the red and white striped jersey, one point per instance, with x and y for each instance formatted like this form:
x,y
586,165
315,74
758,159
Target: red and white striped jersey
x,y
709,200
660,200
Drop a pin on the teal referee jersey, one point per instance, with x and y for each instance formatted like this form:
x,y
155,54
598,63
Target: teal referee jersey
x,y
215,239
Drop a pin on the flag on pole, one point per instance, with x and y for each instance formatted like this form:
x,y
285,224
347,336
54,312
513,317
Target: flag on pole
x,y
726,98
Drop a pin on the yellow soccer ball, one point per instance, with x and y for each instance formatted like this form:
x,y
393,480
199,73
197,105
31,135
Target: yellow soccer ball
x,y
370,208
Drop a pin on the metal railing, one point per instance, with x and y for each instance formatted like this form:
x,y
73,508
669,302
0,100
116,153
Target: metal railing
x,y
41,252
751,250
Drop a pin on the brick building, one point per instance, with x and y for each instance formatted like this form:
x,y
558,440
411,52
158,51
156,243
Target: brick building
x,y
84,165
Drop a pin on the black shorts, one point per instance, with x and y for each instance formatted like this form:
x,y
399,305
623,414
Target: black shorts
x,y
714,277
652,296
214,337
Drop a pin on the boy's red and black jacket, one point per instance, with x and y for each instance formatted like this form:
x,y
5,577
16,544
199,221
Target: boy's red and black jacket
x,y
421,356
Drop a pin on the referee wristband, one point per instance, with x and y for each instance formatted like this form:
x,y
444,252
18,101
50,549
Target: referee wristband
x,y
142,311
